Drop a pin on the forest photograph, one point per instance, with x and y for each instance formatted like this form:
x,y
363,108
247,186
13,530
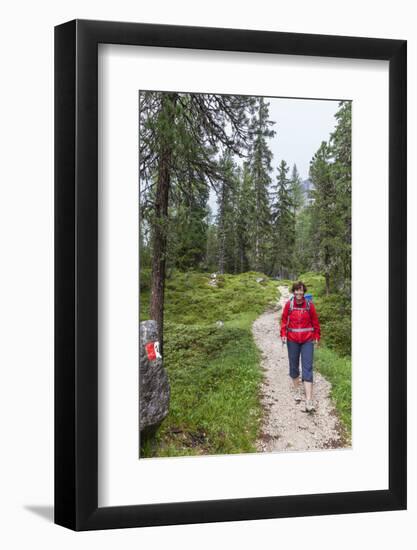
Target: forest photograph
x,y
244,274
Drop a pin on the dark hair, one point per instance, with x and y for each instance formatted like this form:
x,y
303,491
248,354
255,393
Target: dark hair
x,y
298,285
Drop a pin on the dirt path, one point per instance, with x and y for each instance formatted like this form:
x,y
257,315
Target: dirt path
x,y
285,425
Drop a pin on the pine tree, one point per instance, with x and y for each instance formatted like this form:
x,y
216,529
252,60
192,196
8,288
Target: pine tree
x,y
341,153
325,209
180,136
304,258
226,201
296,190
283,223
244,219
259,167
212,249
187,235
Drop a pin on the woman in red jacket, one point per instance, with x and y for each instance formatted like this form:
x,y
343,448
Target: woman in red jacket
x,y
300,328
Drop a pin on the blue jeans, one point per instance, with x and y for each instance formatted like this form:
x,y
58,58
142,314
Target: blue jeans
x,y
306,350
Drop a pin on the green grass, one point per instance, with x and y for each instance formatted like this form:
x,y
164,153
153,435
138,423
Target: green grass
x,y
213,371
189,299
338,371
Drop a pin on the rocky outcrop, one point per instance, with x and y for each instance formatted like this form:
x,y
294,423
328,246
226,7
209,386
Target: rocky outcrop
x,y
154,389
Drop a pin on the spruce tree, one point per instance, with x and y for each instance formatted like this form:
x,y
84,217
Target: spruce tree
x,y
341,153
180,136
304,258
226,201
244,219
326,212
259,167
296,190
187,235
211,262
283,219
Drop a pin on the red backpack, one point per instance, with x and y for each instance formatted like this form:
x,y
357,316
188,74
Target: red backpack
x,y
309,299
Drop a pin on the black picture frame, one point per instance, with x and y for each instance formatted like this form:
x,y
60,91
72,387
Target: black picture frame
x,y
76,272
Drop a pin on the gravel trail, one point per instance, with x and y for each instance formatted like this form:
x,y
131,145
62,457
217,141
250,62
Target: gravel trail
x,y
285,424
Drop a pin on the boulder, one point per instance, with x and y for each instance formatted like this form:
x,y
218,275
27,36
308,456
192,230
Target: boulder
x,y
154,388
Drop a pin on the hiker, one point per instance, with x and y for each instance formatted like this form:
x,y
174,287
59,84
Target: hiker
x,y
300,329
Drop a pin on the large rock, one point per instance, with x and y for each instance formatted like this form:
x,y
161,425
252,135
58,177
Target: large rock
x,y
154,389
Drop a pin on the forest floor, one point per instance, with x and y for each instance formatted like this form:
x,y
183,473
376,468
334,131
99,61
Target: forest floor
x,y
286,426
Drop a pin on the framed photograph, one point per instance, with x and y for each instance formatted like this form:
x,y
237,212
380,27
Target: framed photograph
x,y
230,274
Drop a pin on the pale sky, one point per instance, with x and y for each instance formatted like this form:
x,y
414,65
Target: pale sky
x,y
301,125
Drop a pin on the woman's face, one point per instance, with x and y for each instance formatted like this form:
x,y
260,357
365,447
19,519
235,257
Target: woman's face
x,y
299,293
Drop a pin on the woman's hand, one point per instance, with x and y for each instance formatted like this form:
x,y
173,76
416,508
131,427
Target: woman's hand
x,y
284,339
317,342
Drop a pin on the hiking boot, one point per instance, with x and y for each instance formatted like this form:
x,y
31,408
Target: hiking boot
x,y
298,394
310,406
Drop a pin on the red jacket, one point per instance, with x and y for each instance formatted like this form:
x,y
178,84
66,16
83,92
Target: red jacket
x,y
300,319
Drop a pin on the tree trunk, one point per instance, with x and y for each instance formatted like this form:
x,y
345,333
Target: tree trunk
x,y
327,274
222,231
271,270
159,248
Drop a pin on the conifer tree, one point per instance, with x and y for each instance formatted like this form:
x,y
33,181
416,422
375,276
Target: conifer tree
x,y
325,209
341,153
180,135
305,245
226,201
188,223
244,219
259,168
296,190
212,249
283,223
